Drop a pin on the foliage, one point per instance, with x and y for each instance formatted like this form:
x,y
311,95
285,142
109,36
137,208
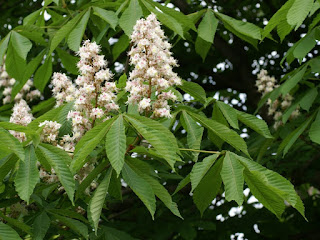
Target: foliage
x,y
110,184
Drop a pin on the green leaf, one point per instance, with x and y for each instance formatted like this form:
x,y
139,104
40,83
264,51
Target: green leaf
x,y
223,132
63,32
165,19
308,99
200,169
229,113
232,177
314,132
122,82
130,16
158,136
75,37
195,90
140,187
27,175
108,16
88,143
10,144
244,28
202,48
298,12
6,164
270,188
43,74
279,16
7,233
30,69
31,18
21,44
3,46
256,124
159,190
184,182
208,26
40,226
304,45
96,202
217,116
68,61
120,46
293,136
195,133
208,188
92,175
293,81
116,144
15,65
75,225
16,223
59,159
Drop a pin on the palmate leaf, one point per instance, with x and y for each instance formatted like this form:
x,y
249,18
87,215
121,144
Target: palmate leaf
x,y
159,190
270,188
222,132
27,174
75,37
194,131
16,223
116,144
59,160
7,233
130,16
232,177
158,136
200,169
88,143
217,116
208,188
140,187
15,64
97,200
10,144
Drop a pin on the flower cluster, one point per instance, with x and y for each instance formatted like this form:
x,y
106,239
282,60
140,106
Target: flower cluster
x,y
50,131
21,114
93,94
152,73
7,83
266,84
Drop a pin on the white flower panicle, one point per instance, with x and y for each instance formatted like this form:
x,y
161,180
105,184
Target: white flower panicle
x,y
266,84
152,73
50,131
21,115
93,93
7,83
